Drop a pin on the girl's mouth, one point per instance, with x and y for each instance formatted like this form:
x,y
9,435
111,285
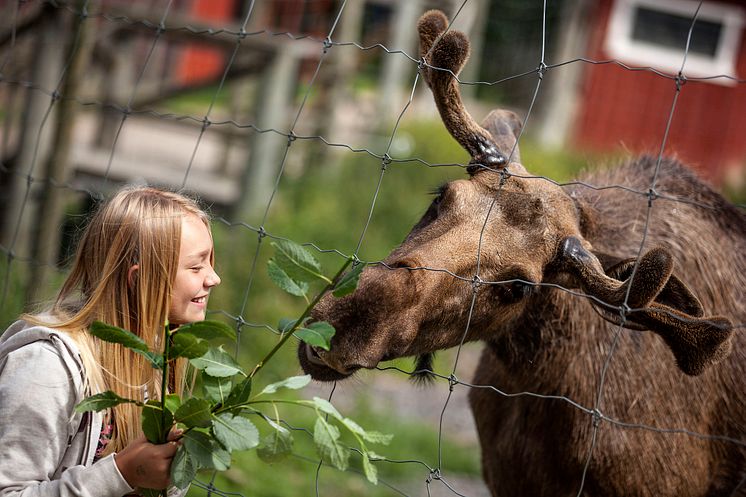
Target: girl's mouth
x,y
200,300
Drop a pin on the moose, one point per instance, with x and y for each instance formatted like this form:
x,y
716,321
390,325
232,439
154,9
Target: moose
x,y
645,283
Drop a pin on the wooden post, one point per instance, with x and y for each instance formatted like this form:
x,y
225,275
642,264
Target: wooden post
x,y
46,227
397,67
332,84
273,97
563,83
476,24
35,133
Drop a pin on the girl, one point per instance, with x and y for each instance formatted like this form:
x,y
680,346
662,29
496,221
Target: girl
x,y
145,257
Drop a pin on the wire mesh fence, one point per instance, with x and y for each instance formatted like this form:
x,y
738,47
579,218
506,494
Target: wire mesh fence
x,y
91,102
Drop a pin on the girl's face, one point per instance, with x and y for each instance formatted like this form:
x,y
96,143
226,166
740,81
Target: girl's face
x,y
195,276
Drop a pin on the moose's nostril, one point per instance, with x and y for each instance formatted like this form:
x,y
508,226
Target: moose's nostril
x,y
313,356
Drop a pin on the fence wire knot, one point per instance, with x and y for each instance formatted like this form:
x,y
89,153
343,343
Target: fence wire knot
x,y
56,95
261,233
624,309
542,69
476,282
242,34
434,475
452,382
385,161
680,81
206,123
210,489
327,44
421,64
291,138
240,322
652,195
597,418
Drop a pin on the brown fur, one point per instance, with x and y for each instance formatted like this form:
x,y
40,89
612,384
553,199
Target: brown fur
x,y
525,238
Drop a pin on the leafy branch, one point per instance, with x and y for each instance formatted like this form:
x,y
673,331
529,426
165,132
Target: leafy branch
x,y
216,423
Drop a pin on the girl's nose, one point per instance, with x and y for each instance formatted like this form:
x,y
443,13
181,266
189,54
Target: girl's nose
x,y
212,279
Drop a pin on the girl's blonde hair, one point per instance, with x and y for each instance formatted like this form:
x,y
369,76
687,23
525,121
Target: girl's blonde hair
x,y
139,226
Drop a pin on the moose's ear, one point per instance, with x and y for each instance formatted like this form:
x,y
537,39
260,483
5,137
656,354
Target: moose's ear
x,y
675,293
504,126
656,300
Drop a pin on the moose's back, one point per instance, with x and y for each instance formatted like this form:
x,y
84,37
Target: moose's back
x,y
660,432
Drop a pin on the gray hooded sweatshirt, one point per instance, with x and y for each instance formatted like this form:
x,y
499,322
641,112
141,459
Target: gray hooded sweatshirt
x,y
46,448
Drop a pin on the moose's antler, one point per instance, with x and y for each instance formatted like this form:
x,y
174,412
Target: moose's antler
x,y
656,300
446,53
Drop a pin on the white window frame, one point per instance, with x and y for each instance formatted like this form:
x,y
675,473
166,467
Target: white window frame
x,y
620,45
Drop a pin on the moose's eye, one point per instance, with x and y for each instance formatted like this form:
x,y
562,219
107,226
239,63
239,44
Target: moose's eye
x,y
514,289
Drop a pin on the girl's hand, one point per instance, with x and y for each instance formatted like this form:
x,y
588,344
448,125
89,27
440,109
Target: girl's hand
x,y
147,465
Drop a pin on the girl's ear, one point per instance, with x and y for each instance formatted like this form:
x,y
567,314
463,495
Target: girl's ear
x,y
132,275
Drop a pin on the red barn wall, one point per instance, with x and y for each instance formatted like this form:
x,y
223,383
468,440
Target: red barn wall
x,y
623,109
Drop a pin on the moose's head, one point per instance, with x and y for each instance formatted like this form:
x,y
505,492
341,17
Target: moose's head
x,y
486,243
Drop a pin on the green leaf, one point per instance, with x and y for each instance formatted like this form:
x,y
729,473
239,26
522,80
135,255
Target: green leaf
x,y
377,437
371,472
348,283
217,362
154,358
293,383
173,402
102,401
240,394
208,330
318,334
275,447
369,436
276,426
114,334
284,281
188,345
296,261
153,426
235,432
216,389
326,437
183,469
205,451
326,406
285,325
194,413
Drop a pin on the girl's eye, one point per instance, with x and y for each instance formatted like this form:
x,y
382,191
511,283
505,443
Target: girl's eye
x,y
196,268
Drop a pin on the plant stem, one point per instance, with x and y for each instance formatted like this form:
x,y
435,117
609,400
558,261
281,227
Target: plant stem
x,y
164,388
164,381
332,283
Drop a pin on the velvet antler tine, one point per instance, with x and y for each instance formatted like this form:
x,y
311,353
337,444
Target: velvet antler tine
x,y
431,25
446,59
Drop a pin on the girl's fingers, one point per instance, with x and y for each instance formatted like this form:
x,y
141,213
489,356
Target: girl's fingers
x,y
175,434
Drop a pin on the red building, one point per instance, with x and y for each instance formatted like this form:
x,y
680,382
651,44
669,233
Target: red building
x,y
622,108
